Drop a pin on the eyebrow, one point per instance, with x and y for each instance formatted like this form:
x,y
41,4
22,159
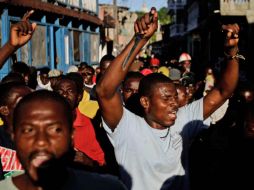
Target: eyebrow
x,y
47,124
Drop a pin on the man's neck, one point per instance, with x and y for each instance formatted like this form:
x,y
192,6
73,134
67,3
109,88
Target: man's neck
x,y
23,182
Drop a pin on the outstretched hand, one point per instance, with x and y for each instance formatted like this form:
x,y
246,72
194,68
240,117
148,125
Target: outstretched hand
x,y
22,31
147,24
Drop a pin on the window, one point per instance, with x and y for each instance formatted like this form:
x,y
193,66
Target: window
x,y
66,48
89,5
74,3
25,53
94,48
76,49
62,1
39,43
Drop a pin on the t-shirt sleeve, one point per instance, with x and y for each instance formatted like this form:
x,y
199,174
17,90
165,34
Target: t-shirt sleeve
x,y
123,129
192,115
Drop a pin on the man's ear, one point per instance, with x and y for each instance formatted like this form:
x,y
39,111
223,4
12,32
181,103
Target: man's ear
x,y
144,101
12,136
80,96
72,137
4,110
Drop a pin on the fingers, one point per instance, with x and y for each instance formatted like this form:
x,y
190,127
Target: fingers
x,y
154,14
27,15
143,24
232,30
231,35
24,27
33,26
140,26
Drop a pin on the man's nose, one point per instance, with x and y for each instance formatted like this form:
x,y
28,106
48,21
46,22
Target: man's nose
x,y
174,102
41,139
64,93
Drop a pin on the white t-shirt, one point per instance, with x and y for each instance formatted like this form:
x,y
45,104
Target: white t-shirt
x,y
149,162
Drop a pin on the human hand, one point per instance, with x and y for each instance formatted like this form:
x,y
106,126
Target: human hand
x,y
231,38
147,24
22,31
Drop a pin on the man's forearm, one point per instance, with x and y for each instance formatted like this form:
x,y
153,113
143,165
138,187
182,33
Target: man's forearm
x,y
120,65
228,82
5,53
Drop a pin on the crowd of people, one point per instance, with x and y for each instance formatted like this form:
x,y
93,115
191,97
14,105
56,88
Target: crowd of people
x,y
127,124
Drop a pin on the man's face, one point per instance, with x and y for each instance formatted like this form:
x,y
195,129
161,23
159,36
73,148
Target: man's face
x,y
182,96
87,75
68,90
186,66
42,133
130,87
16,95
162,105
44,78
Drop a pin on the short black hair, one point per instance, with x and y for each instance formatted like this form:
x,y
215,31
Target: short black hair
x,y
77,79
13,77
43,95
149,81
44,70
21,67
133,75
107,57
6,89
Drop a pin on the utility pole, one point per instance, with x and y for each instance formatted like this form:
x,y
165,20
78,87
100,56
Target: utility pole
x,y
116,22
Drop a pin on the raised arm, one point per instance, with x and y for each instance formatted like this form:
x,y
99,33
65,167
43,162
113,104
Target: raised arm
x,y
20,34
107,88
226,85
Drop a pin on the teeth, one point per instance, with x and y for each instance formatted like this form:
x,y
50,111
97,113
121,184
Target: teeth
x,y
38,160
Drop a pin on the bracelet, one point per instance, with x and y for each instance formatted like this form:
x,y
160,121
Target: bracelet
x,y
139,36
236,56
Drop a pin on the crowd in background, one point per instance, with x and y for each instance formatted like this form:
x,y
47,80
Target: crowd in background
x,y
220,155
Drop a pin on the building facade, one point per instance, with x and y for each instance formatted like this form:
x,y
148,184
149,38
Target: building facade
x,y
67,32
118,28
197,29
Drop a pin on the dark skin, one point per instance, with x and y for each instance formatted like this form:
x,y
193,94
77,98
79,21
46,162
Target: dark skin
x,y
103,66
68,89
20,34
110,101
182,95
41,133
7,110
130,87
107,86
44,78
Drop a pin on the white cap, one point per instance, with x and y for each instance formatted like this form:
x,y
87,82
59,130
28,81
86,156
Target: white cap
x,y
72,69
184,57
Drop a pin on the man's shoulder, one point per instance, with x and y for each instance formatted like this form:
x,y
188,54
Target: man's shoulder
x,y
196,104
95,180
7,184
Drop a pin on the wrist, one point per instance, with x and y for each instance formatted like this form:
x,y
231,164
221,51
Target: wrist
x,y
231,51
139,37
11,47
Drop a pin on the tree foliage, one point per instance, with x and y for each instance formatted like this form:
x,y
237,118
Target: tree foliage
x,y
164,18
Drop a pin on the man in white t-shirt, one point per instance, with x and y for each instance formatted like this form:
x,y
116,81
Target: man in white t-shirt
x,y
153,151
